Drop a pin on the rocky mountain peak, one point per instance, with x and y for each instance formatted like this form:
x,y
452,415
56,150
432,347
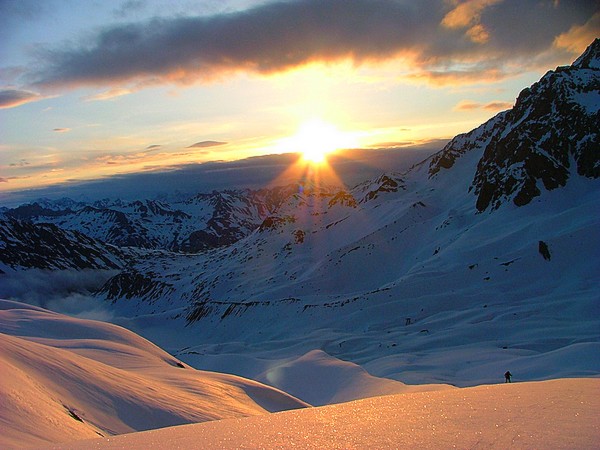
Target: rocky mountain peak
x,y
590,59
550,133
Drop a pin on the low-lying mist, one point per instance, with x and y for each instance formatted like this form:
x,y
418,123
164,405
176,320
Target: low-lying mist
x,y
68,292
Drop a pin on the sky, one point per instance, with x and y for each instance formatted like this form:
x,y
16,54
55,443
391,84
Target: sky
x,y
92,89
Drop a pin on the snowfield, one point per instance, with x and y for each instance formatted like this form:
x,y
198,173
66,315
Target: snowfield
x,y
65,379
557,414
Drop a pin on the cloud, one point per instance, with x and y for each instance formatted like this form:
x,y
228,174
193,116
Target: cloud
x,y
498,106
391,144
466,75
153,147
20,163
466,13
122,159
108,95
61,130
129,7
478,33
65,291
579,37
11,98
433,35
352,166
468,105
205,144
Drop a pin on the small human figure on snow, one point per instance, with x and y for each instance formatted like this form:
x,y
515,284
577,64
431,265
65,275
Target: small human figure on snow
x,y
507,376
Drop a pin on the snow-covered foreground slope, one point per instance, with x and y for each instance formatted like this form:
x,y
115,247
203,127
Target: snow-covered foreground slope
x,y
557,414
64,379
321,379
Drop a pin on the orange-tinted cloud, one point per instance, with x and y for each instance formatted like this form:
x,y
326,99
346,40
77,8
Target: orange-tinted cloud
x,y
478,33
458,77
436,35
109,94
579,36
61,130
466,13
498,106
468,105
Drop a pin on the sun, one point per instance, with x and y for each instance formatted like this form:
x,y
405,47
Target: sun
x,y
316,138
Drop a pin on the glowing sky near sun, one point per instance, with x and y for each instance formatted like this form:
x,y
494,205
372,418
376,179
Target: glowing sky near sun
x,y
91,89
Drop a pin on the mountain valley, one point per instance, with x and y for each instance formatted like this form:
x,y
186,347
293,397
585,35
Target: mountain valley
x,y
480,258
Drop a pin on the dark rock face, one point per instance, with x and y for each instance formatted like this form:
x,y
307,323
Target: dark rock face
x,y
372,189
275,222
24,245
130,283
343,198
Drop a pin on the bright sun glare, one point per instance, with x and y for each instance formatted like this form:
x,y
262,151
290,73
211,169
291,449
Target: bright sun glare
x,y
316,138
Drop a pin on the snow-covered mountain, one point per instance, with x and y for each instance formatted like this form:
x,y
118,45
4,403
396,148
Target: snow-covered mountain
x,y
193,224
483,257
24,245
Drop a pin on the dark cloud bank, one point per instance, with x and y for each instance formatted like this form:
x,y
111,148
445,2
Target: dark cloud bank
x,y
284,34
351,166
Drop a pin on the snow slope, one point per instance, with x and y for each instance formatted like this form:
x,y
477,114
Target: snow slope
x,y
557,414
64,379
321,379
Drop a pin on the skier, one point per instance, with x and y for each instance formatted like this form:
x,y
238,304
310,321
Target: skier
x,y
507,376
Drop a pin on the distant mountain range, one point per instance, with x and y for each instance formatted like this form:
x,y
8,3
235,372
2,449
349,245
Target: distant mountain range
x,y
483,256
198,223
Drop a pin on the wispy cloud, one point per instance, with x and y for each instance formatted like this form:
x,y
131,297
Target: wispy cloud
x,y
465,75
108,95
468,105
20,163
205,144
11,98
435,35
61,130
498,106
